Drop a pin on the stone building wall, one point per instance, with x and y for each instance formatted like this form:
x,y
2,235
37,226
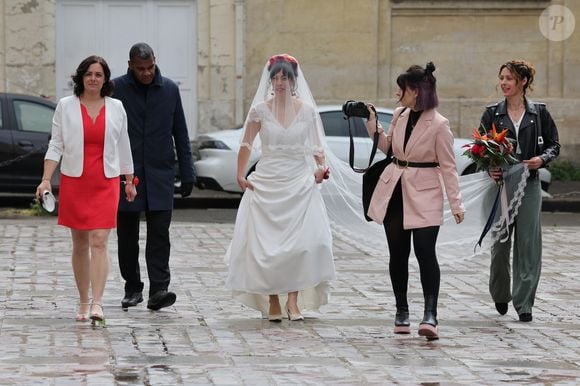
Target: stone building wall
x,y
27,46
347,49
355,50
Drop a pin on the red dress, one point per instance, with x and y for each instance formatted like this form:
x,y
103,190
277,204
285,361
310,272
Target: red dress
x,y
91,200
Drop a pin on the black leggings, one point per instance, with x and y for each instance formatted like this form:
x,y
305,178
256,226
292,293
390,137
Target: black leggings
x,y
399,240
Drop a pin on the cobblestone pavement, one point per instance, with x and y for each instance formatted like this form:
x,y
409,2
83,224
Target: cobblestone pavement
x,y
207,338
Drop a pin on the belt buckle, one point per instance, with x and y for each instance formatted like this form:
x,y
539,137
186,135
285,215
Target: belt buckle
x,y
399,163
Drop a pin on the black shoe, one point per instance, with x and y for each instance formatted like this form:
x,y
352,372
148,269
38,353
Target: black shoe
x,y
161,299
131,299
526,317
402,324
428,326
502,308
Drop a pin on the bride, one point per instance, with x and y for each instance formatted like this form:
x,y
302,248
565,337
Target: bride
x,y
282,241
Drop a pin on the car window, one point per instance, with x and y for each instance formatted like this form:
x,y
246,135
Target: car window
x,y
385,119
32,116
336,126
333,123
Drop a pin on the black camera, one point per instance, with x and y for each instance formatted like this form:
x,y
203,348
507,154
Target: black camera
x,y
355,109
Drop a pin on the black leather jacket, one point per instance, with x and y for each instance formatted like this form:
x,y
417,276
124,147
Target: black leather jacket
x,y
534,140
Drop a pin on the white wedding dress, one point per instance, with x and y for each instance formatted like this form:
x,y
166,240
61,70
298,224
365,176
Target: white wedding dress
x,y
282,240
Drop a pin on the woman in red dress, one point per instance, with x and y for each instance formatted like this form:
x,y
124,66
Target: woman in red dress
x,y
89,137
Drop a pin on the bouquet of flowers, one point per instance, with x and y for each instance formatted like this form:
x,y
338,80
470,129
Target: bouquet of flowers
x,y
491,150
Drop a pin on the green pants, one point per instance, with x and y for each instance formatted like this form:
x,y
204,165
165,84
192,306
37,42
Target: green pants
x,y
526,232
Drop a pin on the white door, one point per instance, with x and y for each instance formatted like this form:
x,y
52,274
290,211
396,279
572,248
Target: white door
x,y
109,28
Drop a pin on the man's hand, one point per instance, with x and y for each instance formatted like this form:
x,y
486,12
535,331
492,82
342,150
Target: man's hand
x,y
186,188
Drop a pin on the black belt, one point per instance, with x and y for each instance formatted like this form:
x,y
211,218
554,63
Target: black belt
x,y
410,164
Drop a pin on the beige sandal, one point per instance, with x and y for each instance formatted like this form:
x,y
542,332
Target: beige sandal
x,y
83,316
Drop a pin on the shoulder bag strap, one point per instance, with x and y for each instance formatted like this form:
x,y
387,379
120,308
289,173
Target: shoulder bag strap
x,y
539,148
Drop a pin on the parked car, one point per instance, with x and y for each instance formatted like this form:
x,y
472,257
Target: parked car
x,y
217,152
25,129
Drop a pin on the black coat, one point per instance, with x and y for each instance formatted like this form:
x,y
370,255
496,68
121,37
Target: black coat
x,y
156,121
531,128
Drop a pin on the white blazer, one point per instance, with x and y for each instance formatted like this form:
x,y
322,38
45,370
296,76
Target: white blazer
x,y
67,139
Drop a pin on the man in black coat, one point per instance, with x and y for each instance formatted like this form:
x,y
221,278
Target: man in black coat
x,y
156,122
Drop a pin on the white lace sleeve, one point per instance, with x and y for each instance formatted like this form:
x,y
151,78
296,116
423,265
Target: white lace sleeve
x,y
251,128
316,133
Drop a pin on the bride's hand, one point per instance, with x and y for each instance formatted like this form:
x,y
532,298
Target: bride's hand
x,y
321,175
245,184
459,217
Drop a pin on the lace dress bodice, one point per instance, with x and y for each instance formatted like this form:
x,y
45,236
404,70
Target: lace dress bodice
x,y
300,138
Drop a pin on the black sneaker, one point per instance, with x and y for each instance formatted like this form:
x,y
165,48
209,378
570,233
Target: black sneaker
x,y
502,308
526,317
131,299
161,299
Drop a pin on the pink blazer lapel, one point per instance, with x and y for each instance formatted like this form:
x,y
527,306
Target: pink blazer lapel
x,y
399,134
421,131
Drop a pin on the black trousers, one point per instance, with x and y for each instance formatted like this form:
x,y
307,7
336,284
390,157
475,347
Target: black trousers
x,y
157,248
399,241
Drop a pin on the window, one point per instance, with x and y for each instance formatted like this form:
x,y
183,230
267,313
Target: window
x,y
32,116
336,126
385,120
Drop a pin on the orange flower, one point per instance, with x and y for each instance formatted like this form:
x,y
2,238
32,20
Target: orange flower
x,y
493,131
491,149
501,136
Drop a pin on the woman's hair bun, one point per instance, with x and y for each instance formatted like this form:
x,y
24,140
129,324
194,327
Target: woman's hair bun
x,y
430,67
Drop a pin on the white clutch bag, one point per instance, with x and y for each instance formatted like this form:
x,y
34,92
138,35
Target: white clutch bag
x,y
48,201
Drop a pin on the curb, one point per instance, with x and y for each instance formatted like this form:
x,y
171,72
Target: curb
x,y
550,205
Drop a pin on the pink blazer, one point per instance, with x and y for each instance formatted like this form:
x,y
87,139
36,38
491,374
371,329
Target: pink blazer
x,y
430,141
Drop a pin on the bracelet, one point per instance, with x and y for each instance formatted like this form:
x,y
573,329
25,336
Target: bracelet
x,y
46,179
134,181
321,167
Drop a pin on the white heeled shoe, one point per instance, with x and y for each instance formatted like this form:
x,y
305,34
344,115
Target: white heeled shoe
x,y
293,317
277,318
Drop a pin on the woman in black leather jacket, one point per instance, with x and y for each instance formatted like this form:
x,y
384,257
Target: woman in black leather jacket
x,y
536,136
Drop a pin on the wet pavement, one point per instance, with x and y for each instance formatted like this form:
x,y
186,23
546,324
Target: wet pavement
x,y
206,338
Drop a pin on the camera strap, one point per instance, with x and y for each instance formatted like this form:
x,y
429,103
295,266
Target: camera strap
x,y
375,144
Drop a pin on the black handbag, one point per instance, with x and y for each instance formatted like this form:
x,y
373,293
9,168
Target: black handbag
x,y
370,179
373,172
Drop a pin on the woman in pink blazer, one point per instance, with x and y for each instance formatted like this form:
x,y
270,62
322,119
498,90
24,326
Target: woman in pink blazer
x,y
408,199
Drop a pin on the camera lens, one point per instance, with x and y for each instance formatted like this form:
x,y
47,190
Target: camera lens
x,y
352,108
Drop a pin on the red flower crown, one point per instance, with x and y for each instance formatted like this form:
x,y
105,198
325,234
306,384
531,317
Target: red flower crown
x,y
282,58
